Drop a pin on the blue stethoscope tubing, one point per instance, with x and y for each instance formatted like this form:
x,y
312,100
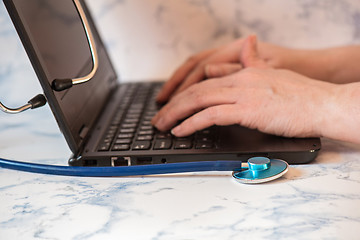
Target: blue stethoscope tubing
x,y
121,171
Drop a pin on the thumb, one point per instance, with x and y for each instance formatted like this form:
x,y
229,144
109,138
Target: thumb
x,y
249,55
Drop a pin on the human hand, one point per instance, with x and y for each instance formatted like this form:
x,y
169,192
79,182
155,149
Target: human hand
x,y
273,101
219,62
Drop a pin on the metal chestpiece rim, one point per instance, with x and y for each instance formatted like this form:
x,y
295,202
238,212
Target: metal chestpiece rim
x,y
260,170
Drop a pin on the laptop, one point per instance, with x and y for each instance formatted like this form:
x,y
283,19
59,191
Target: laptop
x,y
106,122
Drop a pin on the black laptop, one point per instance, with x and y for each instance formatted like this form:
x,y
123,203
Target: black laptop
x,y
106,122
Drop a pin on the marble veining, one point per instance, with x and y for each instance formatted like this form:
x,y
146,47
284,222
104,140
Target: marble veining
x,y
148,40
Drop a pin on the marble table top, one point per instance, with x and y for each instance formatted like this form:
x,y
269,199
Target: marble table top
x,y
319,200
315,201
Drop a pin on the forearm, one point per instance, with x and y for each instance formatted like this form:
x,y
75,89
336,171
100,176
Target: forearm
x,y
336,65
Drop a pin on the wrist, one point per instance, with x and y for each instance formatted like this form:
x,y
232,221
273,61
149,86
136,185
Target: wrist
x,y
340,113
315,64
311,63
283,58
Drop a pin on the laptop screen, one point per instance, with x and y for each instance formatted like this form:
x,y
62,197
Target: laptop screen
x,y
55,40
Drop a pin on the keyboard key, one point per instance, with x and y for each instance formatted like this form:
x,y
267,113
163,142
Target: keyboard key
x,y
151,113
204,145
148,118
129,115
104,147
134,111
147,132
141,145
107,140
203,139
131,120
163,136
121,147
126,135
111,132
205,132
137,106
146,122
128,125
127,130
183,145
184,138
146,127
162,144
123,141
144,138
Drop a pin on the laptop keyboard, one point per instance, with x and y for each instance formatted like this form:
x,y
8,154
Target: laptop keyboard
x,y
131,129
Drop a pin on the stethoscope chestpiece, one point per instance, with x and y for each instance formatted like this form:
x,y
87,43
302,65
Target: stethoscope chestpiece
x,y
260,170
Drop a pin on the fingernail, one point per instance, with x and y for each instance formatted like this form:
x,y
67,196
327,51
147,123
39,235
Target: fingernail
x,y
176,130
159,123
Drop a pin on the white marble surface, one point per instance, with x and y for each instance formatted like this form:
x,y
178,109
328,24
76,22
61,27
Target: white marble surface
x,y
148,39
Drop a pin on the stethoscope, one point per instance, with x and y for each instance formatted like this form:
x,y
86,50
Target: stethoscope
x,y
258,169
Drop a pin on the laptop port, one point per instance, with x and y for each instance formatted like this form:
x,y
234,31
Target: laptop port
x,y
144,160
120,161
89,163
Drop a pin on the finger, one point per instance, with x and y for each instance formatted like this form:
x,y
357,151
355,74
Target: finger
x,y
249,55
220,70
195,76
227,54
180,74
216,115
185,105
191,101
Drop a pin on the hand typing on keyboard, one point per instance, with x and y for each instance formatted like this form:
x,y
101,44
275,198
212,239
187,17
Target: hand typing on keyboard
x,y
275,101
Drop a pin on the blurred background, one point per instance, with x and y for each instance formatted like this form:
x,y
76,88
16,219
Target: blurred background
x,y
155,36
148,39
